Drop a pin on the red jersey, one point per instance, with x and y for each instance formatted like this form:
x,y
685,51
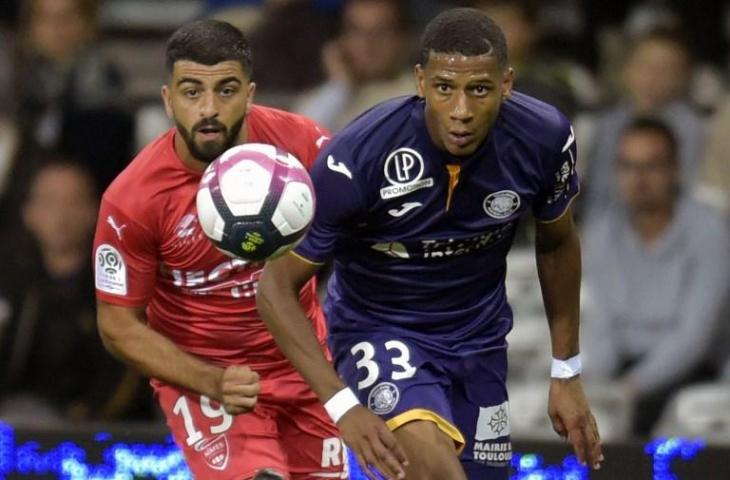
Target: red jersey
x,y
150,251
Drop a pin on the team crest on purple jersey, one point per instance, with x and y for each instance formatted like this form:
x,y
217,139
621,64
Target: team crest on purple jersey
x,y
383,398
501,204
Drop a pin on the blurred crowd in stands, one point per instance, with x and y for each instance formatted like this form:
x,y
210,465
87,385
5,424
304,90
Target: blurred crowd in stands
x,y
646,83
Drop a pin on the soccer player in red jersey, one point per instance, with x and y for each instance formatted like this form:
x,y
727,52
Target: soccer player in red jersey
x,y
173,306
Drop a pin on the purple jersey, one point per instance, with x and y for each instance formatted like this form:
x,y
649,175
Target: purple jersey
x,y
412,251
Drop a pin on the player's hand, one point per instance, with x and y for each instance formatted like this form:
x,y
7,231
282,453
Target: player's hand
x,y
572,420
239,389
372,443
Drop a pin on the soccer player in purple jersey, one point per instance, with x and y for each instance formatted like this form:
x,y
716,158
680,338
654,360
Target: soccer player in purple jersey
x,y
418,201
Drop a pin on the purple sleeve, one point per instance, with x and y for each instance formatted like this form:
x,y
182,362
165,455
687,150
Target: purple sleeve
x,y
560,185
339,203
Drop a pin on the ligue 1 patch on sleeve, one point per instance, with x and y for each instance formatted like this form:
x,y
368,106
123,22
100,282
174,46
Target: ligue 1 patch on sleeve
x,y
111,272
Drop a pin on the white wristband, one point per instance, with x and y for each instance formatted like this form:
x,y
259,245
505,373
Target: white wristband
x,y
566,368
340,403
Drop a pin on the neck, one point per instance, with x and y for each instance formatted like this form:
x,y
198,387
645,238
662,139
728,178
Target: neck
x,y
651,224
64,262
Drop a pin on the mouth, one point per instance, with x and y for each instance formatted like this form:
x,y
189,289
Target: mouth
x,y
210,132
460,138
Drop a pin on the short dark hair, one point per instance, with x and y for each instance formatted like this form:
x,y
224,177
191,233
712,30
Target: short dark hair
x,y
465,31
656,126
49,161
89,10
209,42
671,36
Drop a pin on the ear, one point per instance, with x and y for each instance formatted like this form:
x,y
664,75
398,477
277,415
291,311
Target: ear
x,y
420,80
251,93
167,101
507,83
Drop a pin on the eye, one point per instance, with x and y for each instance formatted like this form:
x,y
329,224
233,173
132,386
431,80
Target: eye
x,y
481,90
228,91
443,88
191,92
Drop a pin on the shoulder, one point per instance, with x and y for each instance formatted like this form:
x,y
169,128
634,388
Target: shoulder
x,y
263,116
603,231
297,134
136,187
282,126
705,222
532,120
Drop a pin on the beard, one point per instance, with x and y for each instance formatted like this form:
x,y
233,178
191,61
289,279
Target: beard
x,y
207,151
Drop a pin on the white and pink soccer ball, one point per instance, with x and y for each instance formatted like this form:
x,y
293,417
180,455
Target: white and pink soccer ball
x,y
255,201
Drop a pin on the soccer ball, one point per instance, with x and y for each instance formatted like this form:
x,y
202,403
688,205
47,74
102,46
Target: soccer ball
x,y
255,201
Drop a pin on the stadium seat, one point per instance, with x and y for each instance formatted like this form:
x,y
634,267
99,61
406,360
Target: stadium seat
x,y
529,418
612,410
523,289
701,410
528,411
529,348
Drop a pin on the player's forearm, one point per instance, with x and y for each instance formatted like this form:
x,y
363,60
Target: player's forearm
x,y
295,337
559,270
156,356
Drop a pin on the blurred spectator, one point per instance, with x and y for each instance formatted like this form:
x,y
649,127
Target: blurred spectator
x,y
53,366
705,83
649,15
287,41
364,65
8,127
70,98
296,24
656,79
656,273
713,180
541,74
8,147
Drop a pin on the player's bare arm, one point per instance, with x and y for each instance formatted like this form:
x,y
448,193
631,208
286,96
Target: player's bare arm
x,y
557,249
278,304
126,335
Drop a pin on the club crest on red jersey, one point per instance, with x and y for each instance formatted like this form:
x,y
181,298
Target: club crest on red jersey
x,y
215,451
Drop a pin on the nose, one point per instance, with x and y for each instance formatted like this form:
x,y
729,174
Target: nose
x,y
460,109
208,105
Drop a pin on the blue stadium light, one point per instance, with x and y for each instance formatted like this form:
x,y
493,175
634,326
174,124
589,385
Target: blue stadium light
x,y
530,467
528,462
663,450
165,461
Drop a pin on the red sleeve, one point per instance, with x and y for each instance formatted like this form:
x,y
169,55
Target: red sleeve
x,y
125,258
318,138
